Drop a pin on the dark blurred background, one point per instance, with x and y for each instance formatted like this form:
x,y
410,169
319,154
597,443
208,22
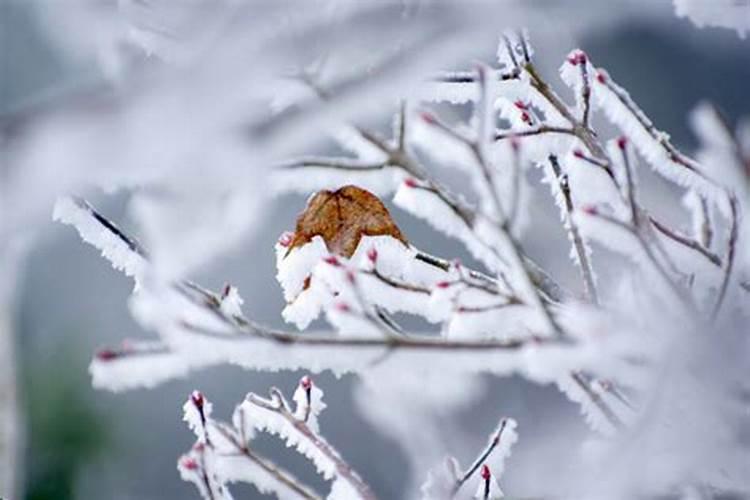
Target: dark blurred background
x,y
82,444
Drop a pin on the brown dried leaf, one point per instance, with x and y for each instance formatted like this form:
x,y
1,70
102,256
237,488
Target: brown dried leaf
x,y
341,218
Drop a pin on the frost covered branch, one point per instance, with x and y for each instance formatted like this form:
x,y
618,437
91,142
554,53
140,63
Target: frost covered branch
x,y
347,261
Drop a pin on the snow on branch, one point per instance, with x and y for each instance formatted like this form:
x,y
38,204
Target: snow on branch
x,y
651,143
447,482
123,252
224,452
349,262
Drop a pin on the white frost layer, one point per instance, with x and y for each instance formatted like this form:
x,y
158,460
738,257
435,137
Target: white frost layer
x,y
650,142
275,423
78,214
383,272
143,370
426,205
509,437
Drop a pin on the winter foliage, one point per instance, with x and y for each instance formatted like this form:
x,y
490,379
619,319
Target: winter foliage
x,y
638,352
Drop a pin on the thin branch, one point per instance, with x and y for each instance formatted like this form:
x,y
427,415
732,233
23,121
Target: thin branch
x,y
610,415
585,92
679,293
538,130
348,164
491,445
729,258
629,184
686,241
583,259
343,469
267,465
422,342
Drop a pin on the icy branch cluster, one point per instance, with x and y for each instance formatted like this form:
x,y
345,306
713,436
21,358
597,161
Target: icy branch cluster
x,y
625,351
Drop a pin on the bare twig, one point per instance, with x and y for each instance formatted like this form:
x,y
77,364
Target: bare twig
x,y
583,259
491,445
729,258
284,477
610,415
278,405
686,241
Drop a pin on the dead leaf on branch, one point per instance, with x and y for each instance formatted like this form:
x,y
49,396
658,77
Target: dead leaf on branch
x,y
341,218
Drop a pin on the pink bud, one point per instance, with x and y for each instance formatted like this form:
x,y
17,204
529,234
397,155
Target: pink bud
x,y
189,463
286,238
443,284
372,254
410,182
578,153
589,209
521,105
342,307
485,472
332,260
197,398
306,382
107,355
582,58
526,117
601,76
428,117
622,141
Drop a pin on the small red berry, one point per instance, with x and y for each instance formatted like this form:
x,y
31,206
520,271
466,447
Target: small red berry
x,y
622,141
372,254
486,474
578,153
526,117
410,182
601,77
521,105
443,284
